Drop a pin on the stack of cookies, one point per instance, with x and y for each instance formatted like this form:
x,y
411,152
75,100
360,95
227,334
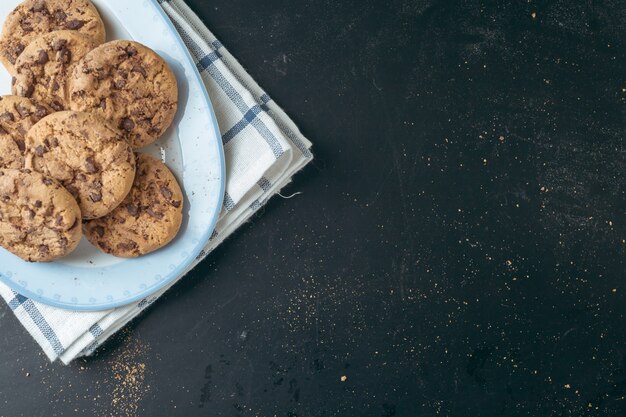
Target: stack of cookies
x,y
80,109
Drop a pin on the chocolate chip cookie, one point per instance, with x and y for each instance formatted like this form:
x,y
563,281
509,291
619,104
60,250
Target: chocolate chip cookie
x,y
148,219
128,84
39,219
17,116
34,18
87,155
42,70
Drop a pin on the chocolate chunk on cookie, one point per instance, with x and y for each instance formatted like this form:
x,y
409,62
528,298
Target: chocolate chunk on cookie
x,y
130,85
39,219
34,18
148,219
87,154
17,116
42,71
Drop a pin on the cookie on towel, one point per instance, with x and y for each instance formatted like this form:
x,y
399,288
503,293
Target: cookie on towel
x,y
148,219
34,18
39,219
87,155
43,69
17,116
130,85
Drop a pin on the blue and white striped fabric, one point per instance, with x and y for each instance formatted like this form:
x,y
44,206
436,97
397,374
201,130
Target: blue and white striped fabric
x,y
263,149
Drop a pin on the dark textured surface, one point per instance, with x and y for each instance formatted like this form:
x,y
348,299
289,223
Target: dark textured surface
x,y
458,249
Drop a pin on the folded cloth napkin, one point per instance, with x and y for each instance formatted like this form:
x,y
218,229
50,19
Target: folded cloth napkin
x,y
263,149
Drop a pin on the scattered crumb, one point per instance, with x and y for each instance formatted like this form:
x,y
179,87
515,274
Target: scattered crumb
x,y
127,380
344,378
533,15
130,387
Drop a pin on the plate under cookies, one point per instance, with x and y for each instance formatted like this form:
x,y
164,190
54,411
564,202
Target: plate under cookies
x,y
91,280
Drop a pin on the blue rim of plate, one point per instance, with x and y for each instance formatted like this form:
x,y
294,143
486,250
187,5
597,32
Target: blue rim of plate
x,y
183,265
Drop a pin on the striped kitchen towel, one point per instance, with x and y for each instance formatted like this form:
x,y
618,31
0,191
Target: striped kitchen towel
x,y
263,150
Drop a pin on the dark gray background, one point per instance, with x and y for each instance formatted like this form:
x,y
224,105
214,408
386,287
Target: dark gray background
x,y
458,249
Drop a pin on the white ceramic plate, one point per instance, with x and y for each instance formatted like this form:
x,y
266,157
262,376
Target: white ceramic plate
x,y
192,149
